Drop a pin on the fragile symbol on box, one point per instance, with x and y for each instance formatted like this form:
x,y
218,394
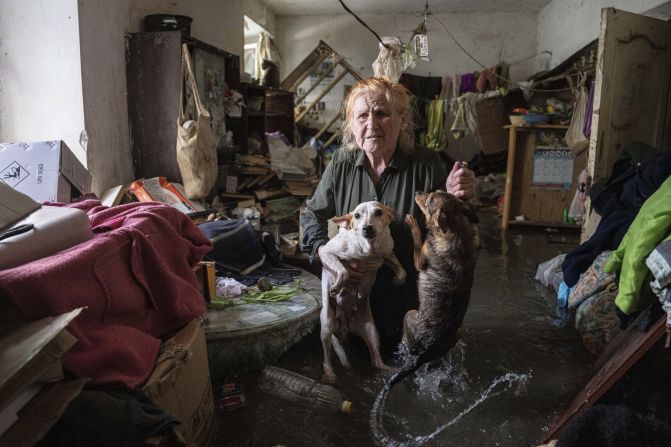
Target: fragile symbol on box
x,y
14,174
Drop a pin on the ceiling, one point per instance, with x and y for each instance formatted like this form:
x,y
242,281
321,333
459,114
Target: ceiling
x,y
310,7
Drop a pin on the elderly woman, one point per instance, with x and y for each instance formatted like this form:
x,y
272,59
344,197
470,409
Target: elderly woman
x,y
379,161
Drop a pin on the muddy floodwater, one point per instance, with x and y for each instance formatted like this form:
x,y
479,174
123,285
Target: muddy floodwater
x,y
512,329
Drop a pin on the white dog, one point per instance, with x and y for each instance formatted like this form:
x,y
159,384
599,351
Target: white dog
x,y
363,236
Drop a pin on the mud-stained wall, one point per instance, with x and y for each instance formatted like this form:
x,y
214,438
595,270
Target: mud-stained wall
x,y
565,26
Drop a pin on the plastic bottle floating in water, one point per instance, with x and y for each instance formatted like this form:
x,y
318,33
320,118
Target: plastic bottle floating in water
x,y
294,387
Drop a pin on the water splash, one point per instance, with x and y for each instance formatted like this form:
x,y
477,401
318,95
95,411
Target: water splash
x,y
509,379
446,382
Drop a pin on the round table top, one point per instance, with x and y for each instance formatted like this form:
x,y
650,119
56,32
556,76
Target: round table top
x,y
244,318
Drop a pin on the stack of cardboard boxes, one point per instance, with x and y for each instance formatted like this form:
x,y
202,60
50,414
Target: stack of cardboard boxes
x,y
33,389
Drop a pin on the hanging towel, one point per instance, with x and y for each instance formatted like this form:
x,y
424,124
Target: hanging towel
x,y
467,83
459,127
446,91
465,119
456,85
436,138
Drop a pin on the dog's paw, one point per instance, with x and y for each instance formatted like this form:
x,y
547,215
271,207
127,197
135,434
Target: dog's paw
x,y
410,220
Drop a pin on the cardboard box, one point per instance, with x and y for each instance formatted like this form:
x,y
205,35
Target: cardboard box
x,y
31,356
491,115
46,171
180,384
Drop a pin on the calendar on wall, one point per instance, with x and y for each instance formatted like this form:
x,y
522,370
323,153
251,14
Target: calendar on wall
x,y
553,163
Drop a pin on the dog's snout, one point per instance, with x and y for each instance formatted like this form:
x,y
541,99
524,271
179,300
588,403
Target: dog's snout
x,y
368,231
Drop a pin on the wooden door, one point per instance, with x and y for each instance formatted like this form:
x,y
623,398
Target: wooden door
x,y
631,96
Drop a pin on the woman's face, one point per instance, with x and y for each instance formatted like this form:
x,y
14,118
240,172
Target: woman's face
x,y
376,125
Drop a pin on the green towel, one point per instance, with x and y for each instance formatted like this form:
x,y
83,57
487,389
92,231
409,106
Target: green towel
x,y
436,138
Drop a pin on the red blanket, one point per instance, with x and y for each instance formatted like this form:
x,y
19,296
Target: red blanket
x,y
136,279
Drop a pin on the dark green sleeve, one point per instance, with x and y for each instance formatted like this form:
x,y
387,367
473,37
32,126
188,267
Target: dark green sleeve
x,y
319,208
438,172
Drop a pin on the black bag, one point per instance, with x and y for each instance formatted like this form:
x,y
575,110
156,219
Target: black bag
x,y
236,246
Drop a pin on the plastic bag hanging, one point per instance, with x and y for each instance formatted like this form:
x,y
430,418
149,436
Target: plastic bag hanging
x,y
575,138
393,59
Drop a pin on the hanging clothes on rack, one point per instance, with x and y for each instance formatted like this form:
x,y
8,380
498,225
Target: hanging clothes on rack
x,y
436,138
487,80
467,83
422,86
466,120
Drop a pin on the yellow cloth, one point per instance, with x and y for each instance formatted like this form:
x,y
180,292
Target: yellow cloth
x,y
436,138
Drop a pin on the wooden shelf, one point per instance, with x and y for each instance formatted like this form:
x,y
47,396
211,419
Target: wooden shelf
x,y
543,207
536,126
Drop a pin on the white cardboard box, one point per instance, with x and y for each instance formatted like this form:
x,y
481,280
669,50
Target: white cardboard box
x,y
46,171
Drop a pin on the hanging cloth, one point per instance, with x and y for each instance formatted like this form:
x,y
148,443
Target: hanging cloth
x,y
436,138
265,51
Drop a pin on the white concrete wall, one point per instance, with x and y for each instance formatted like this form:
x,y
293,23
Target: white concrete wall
x,y
565,26
40,72
64,70
489,37
103,25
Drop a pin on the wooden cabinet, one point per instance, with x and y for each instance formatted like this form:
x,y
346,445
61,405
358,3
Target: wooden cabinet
x,y
154,82
632,89
530,192
268,110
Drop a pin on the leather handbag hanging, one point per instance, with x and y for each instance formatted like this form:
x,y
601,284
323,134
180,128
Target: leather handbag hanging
x,y
196,152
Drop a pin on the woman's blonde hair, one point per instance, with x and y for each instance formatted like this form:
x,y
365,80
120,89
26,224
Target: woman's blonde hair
x,y
399,98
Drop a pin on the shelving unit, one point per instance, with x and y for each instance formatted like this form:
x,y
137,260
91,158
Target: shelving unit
x,y
540,206
274,114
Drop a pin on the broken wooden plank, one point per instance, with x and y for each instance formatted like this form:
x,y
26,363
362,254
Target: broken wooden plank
x,y
621,354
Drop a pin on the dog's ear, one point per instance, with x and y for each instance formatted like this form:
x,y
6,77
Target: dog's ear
x,y
343,221
389,213
469,211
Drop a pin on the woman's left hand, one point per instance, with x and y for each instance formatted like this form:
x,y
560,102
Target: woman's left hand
x,y
461,182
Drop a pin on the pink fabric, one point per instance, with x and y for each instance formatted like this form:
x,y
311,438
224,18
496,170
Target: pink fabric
x,y
136,279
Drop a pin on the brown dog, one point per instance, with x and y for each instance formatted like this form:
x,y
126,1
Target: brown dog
x,y
446,264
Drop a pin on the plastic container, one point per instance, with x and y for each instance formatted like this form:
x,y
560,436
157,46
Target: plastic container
x,y
294,387
536,118
168,22
516,120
